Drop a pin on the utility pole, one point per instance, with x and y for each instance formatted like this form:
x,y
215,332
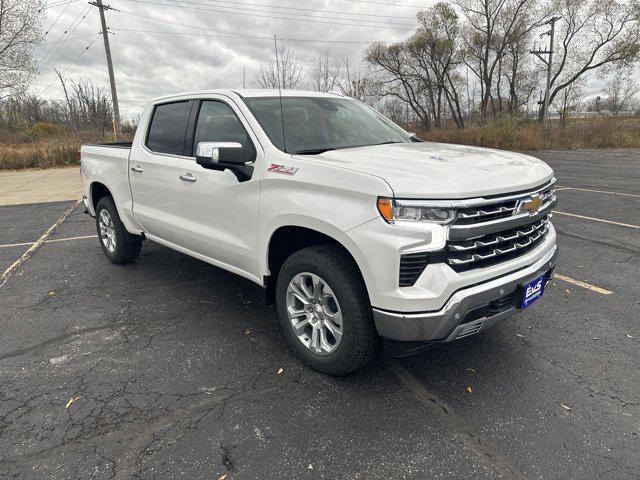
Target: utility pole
x,y
117,128
549,63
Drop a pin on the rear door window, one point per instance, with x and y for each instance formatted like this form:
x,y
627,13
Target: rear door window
x,y
168,128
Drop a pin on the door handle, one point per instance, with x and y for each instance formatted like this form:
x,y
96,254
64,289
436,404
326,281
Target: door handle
x,y
187,177
137,168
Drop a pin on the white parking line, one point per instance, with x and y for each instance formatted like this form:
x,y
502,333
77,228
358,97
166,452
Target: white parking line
x,y
66,239
579,283
598,191
628,225
25,256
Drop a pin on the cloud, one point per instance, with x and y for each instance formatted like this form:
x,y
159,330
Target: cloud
x,y
167,46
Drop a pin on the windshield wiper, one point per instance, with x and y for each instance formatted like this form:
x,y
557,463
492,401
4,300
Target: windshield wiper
x,y
312,151
385,143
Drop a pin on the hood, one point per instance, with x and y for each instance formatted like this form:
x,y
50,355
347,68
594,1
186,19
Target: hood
x,y
438,170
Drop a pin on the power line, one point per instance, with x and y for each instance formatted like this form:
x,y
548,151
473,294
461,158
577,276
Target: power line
x,y
358,14
368,24
57,43
199,52
70,63
69,39
243,10
233,35
56,4
403,5
58,17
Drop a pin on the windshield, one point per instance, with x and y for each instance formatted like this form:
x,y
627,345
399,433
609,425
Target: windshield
x,y
317,124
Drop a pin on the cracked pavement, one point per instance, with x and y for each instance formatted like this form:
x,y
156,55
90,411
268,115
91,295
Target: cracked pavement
x,y
172,366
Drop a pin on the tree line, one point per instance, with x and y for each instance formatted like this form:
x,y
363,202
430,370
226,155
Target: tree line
x,y
467,61
473,59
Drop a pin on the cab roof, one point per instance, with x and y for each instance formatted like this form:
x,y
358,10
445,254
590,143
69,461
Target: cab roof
x,y
249,93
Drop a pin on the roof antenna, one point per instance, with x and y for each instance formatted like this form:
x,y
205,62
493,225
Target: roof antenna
x,y
284,138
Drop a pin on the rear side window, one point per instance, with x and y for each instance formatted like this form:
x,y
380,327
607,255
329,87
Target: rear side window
x,y
168,128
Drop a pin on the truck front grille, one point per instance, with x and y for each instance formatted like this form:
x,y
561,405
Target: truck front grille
x,y
495,247
486,232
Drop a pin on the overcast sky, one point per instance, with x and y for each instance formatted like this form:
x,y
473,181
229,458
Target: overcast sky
x,y
167,46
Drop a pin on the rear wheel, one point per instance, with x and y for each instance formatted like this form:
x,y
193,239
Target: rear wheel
x,y
117,244
324,310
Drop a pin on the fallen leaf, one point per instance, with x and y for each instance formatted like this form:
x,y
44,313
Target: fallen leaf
x,y
566,407
223,477
71,401
471,370
518,335
280,370
247,331
51,294
630,336
566,290
310,467
469,389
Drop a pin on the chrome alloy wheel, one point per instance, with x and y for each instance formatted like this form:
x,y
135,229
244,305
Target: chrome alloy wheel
x,y
107,232
314,313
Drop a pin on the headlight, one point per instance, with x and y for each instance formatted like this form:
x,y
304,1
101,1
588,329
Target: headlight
x,y
395,211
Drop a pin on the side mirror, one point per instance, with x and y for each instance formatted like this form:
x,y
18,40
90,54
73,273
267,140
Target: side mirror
x,y
224,156
414,137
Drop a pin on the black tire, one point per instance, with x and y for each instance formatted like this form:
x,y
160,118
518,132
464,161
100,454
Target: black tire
x,y
127,246
359,342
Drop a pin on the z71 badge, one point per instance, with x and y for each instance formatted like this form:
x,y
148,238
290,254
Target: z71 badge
x,y
284,169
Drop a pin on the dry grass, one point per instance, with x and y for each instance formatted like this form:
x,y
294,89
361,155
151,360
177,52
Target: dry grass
x,y
521,135
44,153
47,146
41,146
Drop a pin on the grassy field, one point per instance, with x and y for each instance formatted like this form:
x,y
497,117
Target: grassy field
x,y
42,146
525,135
47,146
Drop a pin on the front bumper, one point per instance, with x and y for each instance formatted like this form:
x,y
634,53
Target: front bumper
x,y
468,311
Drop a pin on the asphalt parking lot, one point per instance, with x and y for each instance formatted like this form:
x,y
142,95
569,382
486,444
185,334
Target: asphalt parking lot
x,y
169,367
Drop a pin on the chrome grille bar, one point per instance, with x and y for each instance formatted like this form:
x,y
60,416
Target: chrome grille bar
x,y
499,238
519,244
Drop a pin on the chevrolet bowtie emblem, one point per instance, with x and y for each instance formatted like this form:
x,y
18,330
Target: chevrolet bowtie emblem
x,y
531,205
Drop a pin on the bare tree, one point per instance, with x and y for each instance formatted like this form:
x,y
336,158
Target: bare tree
x,y
19,34
325,74
436,49
353,84
71,110
423,70
397,78
568,100
519,72
285,72
620,91
492,27
593,34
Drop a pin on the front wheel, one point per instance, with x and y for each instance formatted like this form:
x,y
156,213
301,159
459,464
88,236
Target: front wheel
x,y
117,244
324,310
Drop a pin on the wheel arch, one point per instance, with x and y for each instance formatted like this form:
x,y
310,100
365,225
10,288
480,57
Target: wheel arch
x,y
97,191
288,238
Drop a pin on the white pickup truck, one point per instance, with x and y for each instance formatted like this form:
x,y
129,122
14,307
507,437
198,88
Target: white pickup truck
x,y
361,234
